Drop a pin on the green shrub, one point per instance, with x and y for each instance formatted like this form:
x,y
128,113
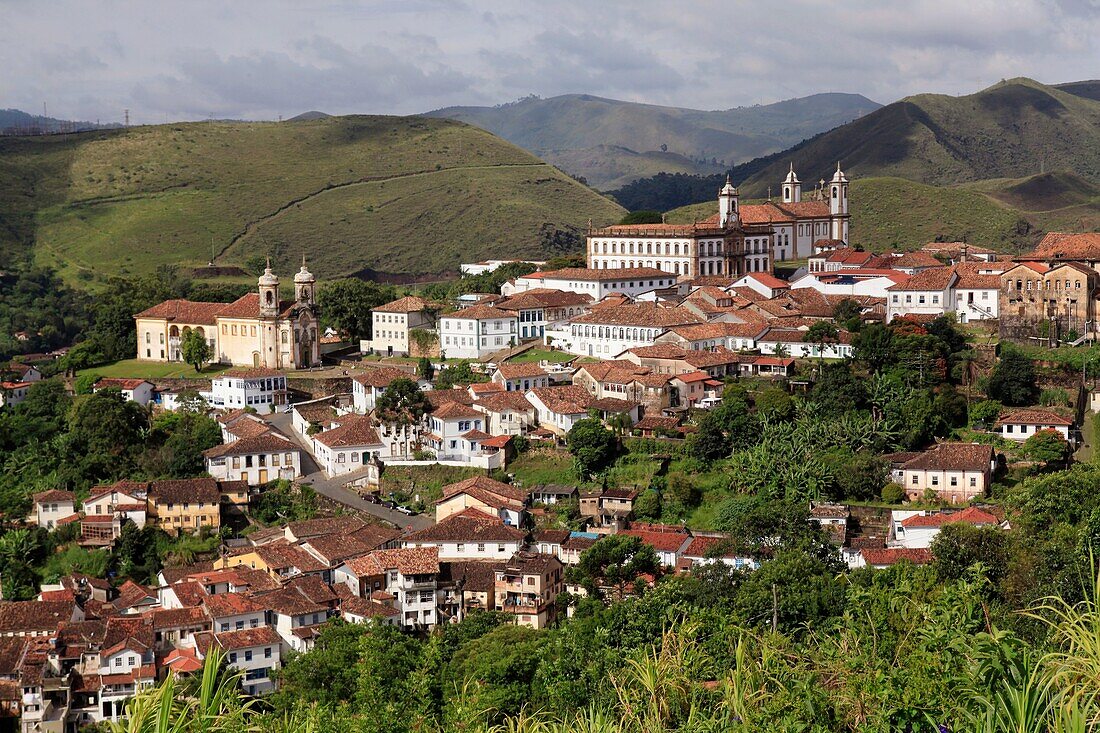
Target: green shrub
x,y
893,493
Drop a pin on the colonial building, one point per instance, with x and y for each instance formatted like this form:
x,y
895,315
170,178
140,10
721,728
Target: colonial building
x,y
737,240
258,329
1053,300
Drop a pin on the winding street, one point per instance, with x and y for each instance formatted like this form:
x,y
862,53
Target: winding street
x,y
333,488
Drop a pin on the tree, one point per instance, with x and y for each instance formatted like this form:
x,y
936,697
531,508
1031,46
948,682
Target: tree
x,y
837,390
1047,447
985,412
106,434
648,505
1013,381
774,404
592,446
401,403
196,350
176,442
958,546
795,588
821,334
346,305
847,313
328,674
644,216
873,347
615,560
709,443
859,476
425,368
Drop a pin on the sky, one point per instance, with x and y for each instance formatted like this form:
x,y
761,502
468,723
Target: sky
x,y
165,60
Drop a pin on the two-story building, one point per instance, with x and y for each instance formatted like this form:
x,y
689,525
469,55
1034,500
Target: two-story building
x,y
392,323
956,472
260,388
477,331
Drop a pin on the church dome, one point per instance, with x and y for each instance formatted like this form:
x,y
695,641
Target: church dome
x,y
269,277
304,276
791,177
839,176
729,189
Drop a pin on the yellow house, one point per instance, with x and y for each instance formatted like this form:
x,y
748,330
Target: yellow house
x,y
185,505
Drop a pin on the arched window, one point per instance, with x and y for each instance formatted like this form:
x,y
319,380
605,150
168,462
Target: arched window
x,y
649,248
835,192
676,249
676,268
687,268
268,296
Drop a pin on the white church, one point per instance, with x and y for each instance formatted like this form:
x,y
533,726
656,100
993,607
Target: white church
x,y
738,239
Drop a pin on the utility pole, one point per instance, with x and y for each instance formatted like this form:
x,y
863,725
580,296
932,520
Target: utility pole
x,y
775,609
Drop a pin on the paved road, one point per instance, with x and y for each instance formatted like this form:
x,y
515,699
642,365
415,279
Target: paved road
x,y
334,489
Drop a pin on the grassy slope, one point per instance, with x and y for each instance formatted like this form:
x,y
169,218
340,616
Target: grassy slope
x,y
891,213
1014,128
394,194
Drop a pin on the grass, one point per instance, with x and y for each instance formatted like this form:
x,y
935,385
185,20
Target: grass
x,y
136,369
537,355
391,194
427,482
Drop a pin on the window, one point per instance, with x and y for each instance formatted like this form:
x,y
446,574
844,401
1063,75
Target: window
x,y
973,481
267,652
239,625
935,480
248,656
481,547
954,481
232,657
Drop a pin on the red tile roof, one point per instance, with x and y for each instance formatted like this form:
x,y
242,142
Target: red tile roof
x,y
383,377
970,515
354,431
660,541
480,313
1032,417
408,304
568,399
119,383
639,314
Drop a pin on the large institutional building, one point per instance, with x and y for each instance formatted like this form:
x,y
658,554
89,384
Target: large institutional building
x,y
737,240
258,329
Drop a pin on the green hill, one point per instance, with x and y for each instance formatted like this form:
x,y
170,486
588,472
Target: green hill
x,y
404,195
555,128
1015,128
895,214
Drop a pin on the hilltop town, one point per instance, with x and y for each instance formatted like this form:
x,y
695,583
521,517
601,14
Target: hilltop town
x,y
602,424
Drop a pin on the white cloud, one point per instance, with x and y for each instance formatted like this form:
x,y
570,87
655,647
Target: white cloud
x,y
92,58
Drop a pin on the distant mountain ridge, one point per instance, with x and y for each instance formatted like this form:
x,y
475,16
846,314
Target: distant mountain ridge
x,y
577,131
18,122
1013,129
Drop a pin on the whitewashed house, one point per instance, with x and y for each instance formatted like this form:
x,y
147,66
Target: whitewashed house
x,y
596,283
409,576
1019,425
521,377
476,332
392,322
260,388
348,446
917,529
612,329
471,534
257,459
50,507
367,387
557,409
133,390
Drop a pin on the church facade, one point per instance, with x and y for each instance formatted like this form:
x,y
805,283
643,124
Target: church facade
x,y
737,240
258,329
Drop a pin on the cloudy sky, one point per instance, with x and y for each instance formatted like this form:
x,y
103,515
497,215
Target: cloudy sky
x,y
90,59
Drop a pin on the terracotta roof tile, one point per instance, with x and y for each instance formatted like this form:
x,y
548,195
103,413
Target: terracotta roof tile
x,y
970,515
